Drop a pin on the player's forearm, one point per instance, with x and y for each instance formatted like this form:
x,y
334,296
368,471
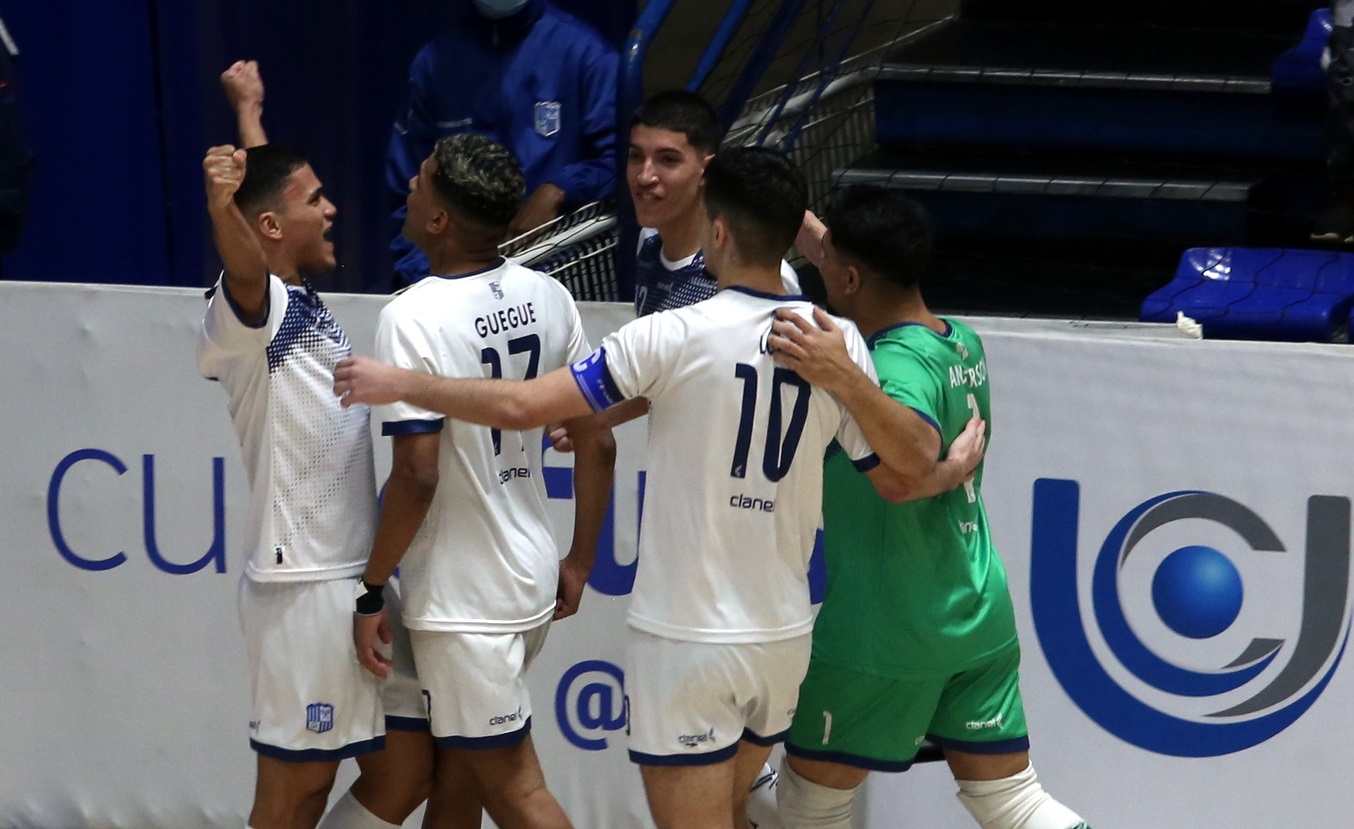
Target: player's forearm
x,y
249,121
594,471
903,441
503,404
626,411
405,505
891,486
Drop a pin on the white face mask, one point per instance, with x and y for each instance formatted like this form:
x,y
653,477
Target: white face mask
x,y
498,9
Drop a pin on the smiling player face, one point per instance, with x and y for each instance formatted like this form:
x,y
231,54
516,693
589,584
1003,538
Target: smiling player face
x,y
663,172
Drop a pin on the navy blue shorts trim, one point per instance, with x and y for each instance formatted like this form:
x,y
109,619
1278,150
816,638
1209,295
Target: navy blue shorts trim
x,y
974,747
759,740
845,759
511,738
708,758
310,755
407,724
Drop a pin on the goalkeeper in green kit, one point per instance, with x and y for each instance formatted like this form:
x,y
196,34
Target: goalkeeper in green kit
x,y
916,638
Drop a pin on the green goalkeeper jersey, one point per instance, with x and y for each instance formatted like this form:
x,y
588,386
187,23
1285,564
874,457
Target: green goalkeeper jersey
x,y
914,589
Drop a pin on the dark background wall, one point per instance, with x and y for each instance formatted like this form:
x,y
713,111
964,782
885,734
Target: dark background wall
x,y
120,100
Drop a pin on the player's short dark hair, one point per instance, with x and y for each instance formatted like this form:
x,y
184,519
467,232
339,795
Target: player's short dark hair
x,y
480,177
883,230
685,112
761,196
267,168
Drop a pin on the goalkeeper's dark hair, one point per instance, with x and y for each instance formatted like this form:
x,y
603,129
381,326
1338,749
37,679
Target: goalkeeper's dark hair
x,y
685,112
267,168
882,230
761,196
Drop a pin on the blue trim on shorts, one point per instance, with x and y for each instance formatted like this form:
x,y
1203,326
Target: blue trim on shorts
x,y
759,740
411,427
407,724
511,738
708,758
847,759
309,755
1010,746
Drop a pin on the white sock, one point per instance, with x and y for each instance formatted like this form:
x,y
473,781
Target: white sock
x,y
349,813
807,805
1015,802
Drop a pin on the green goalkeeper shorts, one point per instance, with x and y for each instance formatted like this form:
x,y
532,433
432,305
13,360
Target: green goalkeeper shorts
x,y
878,723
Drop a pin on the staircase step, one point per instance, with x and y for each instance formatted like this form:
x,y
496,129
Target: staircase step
x,y
1090,202
1039,174
1127,55
1277,14
1123,88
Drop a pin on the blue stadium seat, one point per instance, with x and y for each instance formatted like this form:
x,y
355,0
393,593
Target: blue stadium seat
x,y
1260,294
1297,72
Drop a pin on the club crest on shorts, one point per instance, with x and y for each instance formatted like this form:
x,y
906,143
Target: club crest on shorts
x,y
547,118
319,717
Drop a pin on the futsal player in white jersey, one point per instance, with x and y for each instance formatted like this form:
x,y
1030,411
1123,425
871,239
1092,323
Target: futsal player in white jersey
x,y
272,343
720,614
464,513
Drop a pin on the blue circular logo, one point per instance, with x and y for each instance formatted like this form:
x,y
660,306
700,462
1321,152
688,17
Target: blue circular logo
x,y
1197,592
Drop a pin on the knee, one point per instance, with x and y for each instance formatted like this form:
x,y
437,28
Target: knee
x,y
804,804
1015,802
295,806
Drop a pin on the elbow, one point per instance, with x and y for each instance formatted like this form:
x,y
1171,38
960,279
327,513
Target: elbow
x,y
601,445
895,492
419,475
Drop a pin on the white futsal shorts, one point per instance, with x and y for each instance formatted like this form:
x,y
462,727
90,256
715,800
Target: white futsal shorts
x,y
311,698
401,692
689,703
476,684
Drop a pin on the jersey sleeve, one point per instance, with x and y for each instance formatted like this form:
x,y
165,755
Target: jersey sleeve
x,y
849,434
907,378
225,336
403,342
577,347
635,361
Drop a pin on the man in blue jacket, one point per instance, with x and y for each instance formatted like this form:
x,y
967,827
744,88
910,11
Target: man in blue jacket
x,y
528,75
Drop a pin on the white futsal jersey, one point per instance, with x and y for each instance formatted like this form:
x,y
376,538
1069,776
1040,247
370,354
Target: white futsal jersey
x,y
734,487
485,559
312,506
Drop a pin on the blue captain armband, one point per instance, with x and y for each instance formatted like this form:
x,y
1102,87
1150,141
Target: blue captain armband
x,y
594,380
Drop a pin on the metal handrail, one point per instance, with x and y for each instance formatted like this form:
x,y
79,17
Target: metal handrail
x,y
829,73
714,52
771,41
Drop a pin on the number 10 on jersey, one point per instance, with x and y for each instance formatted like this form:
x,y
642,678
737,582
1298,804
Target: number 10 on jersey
x,y
782,439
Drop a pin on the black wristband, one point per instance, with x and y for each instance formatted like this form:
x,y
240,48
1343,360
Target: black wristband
x,y
371,602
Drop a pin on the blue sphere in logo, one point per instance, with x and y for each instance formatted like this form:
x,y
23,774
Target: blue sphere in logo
x,y
1197,592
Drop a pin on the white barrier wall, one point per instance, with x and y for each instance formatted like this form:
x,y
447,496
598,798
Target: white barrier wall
x,y
1174,516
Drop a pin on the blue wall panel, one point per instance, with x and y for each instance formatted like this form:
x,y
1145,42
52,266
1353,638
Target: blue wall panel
x,y
87,90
